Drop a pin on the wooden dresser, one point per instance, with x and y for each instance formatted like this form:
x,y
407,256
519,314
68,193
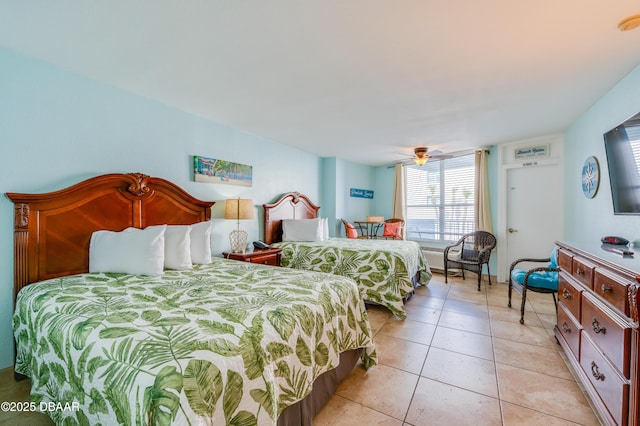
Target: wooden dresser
x,y
598,326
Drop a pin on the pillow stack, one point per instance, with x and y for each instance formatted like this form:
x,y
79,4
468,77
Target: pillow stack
x,y
149,251
305,229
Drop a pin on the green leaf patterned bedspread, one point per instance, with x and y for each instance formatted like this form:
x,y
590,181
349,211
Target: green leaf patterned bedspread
x,y
383,269
226,343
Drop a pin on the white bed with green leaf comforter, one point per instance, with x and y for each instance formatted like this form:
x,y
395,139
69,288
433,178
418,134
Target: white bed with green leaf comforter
x,y
224,343
383,269
386,271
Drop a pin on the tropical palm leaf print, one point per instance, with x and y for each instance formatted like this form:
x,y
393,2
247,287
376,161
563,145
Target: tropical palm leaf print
x,y
383,269
225,343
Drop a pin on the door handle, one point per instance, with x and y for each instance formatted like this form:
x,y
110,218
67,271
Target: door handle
x,y
512,230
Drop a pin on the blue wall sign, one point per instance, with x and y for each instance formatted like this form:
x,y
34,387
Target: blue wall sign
x,y
361,193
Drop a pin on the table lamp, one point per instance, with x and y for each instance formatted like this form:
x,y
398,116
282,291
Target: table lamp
x,y
238,209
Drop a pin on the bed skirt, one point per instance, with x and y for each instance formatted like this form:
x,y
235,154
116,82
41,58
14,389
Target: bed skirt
x,y
302,412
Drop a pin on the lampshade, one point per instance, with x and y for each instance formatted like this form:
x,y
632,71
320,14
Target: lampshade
x,y
238,209
422,155
420,161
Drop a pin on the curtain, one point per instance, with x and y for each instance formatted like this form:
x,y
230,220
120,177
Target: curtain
x,y
398,210
482,200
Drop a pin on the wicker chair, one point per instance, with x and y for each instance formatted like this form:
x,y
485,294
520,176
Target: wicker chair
x,y
543,279
470,253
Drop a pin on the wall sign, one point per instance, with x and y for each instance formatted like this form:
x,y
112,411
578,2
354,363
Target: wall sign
x,y
361,193
532,151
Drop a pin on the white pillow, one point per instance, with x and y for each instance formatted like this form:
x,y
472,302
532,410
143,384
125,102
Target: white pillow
x,y
201,242
132,251
325,228
301,230
177,247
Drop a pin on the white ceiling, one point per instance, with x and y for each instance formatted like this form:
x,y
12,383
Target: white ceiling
x,y
357,79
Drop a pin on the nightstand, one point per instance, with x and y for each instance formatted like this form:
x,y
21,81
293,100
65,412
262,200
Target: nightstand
x,y
270,256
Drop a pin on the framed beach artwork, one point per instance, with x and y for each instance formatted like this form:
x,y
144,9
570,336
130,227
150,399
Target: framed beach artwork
x,y
212,170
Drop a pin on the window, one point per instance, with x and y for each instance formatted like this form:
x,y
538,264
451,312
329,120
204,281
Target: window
x,y
441,199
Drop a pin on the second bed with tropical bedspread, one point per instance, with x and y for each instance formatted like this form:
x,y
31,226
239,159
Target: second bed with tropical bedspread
x,y
383,269
225,343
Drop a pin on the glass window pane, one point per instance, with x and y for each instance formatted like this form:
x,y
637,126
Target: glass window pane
x,y
441,199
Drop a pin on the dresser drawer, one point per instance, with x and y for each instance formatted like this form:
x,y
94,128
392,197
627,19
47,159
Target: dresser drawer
x,y
608,331
612,288
267,259
570,328
565,260
569,294
582,270
611,387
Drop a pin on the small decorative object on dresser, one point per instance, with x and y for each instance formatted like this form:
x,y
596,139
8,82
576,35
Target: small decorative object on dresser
x,y
269,256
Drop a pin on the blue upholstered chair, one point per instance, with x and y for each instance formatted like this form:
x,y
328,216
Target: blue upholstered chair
x,y
541,279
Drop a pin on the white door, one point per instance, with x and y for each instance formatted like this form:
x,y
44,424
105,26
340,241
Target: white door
x,y
534,212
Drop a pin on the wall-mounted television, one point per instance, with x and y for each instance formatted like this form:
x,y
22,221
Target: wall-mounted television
x,y
622,145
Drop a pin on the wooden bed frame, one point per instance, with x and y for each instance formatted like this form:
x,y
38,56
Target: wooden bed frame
x,y
53,231
292,205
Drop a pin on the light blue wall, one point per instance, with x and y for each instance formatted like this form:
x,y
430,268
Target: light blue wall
x,y
587,220
57,129
384,177
359,176
338,177
328,207
492,164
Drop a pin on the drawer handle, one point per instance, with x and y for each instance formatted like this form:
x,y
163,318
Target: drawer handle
x,y
566,328
566,294
579,271
595,372
596,327
605,289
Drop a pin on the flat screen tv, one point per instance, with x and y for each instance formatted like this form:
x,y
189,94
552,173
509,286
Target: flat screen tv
x,y
622,145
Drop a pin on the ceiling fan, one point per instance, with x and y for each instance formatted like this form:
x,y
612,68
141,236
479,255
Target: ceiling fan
x,y
421,156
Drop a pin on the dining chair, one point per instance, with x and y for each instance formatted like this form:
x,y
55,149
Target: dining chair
x,y
351,231
393,229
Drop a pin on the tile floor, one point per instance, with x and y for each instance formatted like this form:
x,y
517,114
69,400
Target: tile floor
x,y
459,358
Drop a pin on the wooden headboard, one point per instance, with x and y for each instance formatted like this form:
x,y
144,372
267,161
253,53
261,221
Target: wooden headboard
x,y
290,206
53,230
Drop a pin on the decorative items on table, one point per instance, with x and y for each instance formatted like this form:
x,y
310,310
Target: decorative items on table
x,y
238,209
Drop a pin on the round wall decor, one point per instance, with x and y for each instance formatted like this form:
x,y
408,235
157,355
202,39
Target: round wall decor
x,y
590,177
